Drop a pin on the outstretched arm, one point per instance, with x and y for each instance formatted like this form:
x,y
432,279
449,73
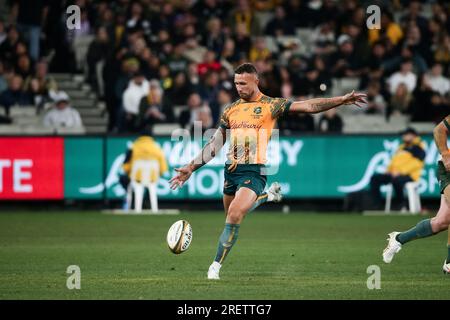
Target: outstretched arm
x,y
208,153
322,104
440,133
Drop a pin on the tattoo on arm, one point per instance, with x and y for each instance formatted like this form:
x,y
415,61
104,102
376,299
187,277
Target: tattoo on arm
x,y
209,151
323,104
441,136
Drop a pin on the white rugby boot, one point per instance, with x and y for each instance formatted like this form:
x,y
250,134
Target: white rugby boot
x,y
274,192
392,248
446,267
213,271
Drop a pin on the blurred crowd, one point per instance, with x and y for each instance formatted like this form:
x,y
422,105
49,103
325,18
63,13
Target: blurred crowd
x,y
155,61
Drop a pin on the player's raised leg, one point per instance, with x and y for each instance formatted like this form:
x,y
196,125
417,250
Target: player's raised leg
x,y
273,194
238,208
423,229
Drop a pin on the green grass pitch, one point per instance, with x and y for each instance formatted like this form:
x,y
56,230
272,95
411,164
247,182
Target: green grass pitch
x,y
277,256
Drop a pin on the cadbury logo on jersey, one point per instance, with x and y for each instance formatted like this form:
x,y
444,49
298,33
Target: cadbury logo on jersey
x,y
243,124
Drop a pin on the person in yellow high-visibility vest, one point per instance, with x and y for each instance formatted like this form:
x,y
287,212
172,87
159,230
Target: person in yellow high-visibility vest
x,y
143,148
406,165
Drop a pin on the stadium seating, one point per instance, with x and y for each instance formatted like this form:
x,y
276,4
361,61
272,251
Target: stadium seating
x,y
360,123
165,129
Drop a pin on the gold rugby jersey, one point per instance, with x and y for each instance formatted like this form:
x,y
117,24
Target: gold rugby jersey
x,y
250,125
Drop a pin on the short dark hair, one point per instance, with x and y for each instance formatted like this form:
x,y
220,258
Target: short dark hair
x,y
246,68
409,130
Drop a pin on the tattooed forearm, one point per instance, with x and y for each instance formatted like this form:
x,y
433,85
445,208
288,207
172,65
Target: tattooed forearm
x,y
323,104
209,151
440,138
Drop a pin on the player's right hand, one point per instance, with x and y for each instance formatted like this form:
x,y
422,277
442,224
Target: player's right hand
x,y
183,175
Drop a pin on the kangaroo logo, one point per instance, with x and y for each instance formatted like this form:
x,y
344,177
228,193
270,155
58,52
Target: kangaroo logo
x,y
112,180
377,164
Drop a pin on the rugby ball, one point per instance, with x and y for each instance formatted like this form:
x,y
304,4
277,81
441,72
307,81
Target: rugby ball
x,y
179,236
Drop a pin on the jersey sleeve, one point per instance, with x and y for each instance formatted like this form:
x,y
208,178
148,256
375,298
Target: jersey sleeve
x,y
280,107
224,121
447,122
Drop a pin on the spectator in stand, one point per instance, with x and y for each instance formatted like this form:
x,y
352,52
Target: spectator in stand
x,y
206,9
405,166
242,40
210,63
180,89
279,25
299,13
224,99
265,5
7,48
389,30
344,63
165,77
30,17
416,42
14,95
330,121
436,81
427,104
19,49
322,11
153,108
323,39
177,62
376,66
414,16
99,50
214,38
405,75
23,67
209,90
401,100
315,76
137,19
243,13
198,113
62,114
165,19
442,52
362,48
138,88
40,85
229,52
375,101
259,50
193,76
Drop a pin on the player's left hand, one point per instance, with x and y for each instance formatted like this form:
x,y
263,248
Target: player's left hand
x,y
178,181
355,98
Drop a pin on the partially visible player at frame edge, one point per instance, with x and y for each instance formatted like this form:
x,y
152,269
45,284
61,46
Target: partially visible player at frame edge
x,y
441,221
244,169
